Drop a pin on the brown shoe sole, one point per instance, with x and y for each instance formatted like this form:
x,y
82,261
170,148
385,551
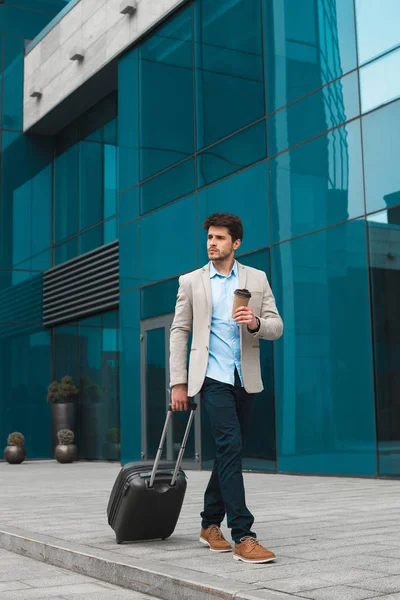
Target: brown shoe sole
x,y
203,541
255,562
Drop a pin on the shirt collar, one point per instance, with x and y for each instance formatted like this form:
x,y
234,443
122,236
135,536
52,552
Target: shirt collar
x,y
214,272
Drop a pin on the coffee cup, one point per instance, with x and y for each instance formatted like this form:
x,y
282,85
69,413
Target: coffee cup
x,y
240,298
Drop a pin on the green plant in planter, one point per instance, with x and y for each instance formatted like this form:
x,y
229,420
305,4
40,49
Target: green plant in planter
x,y
65,390
65,437
16,439
15,452
66,451
90,390
113,436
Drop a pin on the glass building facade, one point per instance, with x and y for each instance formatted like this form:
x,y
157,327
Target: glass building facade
x,y
285,113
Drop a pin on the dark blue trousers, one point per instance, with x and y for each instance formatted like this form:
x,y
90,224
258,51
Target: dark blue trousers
x,y
229,409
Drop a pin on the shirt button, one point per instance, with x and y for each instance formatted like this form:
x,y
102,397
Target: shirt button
x,y
207,348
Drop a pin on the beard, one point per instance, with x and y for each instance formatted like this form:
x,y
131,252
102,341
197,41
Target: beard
x,y
220,255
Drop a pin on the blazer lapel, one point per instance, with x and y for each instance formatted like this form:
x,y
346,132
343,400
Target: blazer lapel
x,y
242,276
205,276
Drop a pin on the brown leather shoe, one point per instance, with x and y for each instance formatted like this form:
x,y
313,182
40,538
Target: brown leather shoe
x,y
213,537
250,550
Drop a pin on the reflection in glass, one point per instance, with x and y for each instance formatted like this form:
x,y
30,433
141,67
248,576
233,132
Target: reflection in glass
x,y
381,143
317,184
377,27
24,378
323,363
306,48
168,241
260,447
228,196
229,67
89,353
168,186
13,82
155,389
158,299
128,122
384,247
379,81
329,107
240,150
166,95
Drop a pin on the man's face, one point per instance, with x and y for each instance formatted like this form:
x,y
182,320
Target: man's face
x,y
220,245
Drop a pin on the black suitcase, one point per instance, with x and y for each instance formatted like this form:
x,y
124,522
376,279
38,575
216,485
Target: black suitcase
x,y
147,498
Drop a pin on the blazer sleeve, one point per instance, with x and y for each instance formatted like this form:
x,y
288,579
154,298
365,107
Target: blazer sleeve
x,y
179,334
271,324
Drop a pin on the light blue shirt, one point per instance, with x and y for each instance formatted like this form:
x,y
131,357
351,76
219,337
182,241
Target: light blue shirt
x,y
224,349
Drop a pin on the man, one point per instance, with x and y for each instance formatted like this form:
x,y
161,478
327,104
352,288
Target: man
x,y
224,365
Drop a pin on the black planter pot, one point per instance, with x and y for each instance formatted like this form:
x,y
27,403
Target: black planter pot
x,y
63,416
66,453
14,455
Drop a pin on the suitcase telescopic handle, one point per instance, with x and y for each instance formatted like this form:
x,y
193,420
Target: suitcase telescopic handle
x,y
192,406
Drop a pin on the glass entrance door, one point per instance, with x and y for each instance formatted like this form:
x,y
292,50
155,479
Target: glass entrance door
x,y
156,397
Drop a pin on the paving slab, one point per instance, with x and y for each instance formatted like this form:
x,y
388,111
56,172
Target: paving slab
x,y
321,528
23,583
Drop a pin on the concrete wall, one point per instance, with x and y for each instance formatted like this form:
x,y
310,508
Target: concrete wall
x,y
96,26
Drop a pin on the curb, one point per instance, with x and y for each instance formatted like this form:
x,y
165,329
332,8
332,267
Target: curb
x,y
149,577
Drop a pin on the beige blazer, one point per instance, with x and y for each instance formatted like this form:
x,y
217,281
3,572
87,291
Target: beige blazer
x,y
193,312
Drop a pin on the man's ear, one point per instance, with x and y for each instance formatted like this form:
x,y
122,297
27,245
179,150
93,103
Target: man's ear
x,y
236,244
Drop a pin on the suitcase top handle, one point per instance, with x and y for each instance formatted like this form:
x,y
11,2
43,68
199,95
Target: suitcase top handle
x,y
191,406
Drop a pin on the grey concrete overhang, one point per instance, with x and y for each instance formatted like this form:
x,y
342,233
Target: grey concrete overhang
x,y
73,63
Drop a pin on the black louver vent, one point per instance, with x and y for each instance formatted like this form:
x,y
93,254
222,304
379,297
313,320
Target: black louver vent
x,y
82,286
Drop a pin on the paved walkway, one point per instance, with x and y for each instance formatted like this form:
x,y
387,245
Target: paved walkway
x,y
23,578
335,538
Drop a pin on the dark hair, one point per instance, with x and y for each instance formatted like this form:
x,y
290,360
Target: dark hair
x,y
233,224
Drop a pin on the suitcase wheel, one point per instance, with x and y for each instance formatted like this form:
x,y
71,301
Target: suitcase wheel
x,y
118,541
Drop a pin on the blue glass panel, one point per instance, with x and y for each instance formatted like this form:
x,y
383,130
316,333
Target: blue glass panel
x,y
329,107
110,181
24,377
41,261
379,81
98,395
317,184
160,258
158,299
384,244
24,23
128,122
229,67
110,228
129,256
66,250
91,239
260,446
13,82
170,185
90,184
128,208
377,27
130,411
166,96
307,48
323,362
110,132
26,198
381,142
66,194
228,196
41,206
235,153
